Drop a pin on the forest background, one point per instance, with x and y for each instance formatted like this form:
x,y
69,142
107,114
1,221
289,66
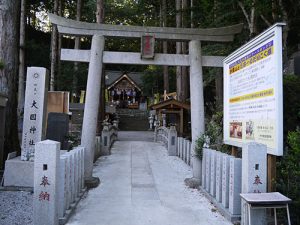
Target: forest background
x,y
27,39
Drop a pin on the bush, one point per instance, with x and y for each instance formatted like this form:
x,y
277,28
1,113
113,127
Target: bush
x,y
288,174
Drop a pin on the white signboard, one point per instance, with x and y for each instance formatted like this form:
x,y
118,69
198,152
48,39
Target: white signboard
x,y
253,109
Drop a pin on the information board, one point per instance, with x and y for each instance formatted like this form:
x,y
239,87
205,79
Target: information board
x,y
253,110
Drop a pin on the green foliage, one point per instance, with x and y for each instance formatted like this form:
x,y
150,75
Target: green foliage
x,y
288,174
291,104
153,80
199,144
1,64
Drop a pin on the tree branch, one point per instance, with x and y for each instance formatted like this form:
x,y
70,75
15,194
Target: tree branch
x,y
245,12
265,20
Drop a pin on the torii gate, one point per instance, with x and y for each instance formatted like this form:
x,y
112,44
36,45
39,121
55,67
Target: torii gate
x,y
97,56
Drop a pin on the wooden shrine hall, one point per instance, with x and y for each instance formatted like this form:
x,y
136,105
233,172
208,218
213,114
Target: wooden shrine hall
x,y
176,112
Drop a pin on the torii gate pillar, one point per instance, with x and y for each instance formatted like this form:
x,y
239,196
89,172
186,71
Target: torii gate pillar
x,y
91,107
197,102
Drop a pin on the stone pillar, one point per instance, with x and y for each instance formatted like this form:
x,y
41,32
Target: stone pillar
x,y
197,100
91,107
172,141
34,110
254,178
46,180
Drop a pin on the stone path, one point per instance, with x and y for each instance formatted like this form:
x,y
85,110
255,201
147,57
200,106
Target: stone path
x,y
141,185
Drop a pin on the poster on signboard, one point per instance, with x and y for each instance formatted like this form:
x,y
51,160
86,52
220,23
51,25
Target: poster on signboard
x,y
253,109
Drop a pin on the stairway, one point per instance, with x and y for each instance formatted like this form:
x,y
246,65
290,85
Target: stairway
x,y
133,120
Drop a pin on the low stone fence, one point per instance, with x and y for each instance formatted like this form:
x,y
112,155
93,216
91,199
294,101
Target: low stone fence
x,y
109,136
168,136
221,182
184,150
58,182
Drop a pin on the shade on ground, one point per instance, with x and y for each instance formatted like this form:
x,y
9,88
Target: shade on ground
x,y
142,185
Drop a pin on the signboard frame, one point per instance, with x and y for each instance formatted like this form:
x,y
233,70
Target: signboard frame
x,y
246,112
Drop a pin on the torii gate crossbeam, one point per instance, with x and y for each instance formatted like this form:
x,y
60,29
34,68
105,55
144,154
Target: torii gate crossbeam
x,y
97,56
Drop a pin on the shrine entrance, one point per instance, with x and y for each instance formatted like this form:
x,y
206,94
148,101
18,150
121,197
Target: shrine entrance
x,y
96,57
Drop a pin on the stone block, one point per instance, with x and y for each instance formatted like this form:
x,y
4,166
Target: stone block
x,y
213,161
58,128
18,173
62,187
207,170
235,179
203,182
219,167
172,141
254,178
46,182
225,180
34,111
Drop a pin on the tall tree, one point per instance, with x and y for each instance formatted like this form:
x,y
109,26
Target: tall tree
x,y
21,92
101,113
184,69
9,41
178,51
250,16
165,44
54,49
76,46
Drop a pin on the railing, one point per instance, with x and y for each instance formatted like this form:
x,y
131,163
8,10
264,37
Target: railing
x,y
184,150
221,182
109,136
168,136
58,182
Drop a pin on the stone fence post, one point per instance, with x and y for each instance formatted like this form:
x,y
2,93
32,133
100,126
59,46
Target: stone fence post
x,y
46,180
254,178
172,141
105,140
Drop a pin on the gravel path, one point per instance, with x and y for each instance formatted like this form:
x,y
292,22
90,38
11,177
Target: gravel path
x,y
16,208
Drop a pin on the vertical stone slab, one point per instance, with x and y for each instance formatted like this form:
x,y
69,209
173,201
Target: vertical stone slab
x,y
203,182
219,167
82,166
225,180
105,140
180,146
34,110
189,153
235,179
75,177
67,181
62,187
207,170
254,177
71,177
92,104
172,141
213,161
46,180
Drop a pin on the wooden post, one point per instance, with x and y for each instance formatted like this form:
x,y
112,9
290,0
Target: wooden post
x,y
271,173
234,151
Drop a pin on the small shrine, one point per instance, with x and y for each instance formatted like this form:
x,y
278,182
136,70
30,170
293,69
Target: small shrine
x,y
174,112
124,89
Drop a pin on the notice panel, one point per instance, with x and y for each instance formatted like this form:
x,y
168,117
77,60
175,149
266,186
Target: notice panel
x,y
253,92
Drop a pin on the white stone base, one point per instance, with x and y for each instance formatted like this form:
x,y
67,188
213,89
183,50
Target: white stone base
x,y
18,173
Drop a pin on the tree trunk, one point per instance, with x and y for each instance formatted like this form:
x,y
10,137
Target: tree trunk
x,y
9,55
77,46
185,77
21,89
60,36
54,49
178,51
165,46
101,113
250,17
